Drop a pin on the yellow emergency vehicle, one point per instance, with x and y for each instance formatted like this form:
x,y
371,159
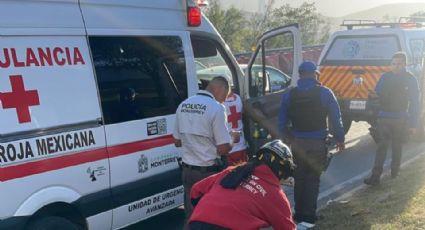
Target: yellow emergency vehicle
x,y
353,60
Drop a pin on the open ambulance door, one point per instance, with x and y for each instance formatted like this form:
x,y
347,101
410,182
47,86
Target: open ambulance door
x,y
278,52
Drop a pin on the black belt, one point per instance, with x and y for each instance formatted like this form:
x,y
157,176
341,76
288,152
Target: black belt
x,y
213,168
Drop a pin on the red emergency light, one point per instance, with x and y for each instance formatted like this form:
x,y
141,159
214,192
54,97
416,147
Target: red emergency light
x,y
194,16
410,25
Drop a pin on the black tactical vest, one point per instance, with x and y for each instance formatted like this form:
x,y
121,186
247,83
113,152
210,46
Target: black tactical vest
x,y
306,111
394,96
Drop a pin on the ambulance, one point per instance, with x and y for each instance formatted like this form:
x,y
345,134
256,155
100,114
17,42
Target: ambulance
x,y
353,60
88,94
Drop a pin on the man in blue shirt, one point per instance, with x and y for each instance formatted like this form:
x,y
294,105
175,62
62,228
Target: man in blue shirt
x,y
398,95
303,120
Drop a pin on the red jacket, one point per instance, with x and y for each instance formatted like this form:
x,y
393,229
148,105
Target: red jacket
x,y
256,204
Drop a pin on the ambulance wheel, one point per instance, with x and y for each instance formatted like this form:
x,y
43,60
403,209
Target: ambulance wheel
x,y
53,223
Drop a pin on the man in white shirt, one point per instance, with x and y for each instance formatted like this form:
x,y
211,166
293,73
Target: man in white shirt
x,y
201,130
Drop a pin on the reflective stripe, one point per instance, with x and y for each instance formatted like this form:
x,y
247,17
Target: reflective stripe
x,y
341,80
74,159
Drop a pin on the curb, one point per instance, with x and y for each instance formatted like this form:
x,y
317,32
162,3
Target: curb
x,y
356,183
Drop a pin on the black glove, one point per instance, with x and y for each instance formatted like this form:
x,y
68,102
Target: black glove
x,y
373,131
180,162
221,163
195,201
329,141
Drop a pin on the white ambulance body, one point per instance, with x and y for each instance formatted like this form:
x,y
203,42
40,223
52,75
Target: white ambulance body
x,y
88,92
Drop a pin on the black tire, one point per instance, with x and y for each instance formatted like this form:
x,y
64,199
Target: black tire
x,y
53,223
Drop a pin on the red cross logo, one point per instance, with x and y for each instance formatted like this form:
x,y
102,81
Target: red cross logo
x,y
19,98
234,116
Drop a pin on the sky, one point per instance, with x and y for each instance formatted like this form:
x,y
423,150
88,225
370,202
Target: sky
x,y
332,8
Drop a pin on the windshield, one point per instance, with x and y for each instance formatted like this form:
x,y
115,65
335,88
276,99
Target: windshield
x,y
358,50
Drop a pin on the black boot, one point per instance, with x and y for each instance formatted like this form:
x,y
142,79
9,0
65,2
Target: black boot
x,y
394,174
372,180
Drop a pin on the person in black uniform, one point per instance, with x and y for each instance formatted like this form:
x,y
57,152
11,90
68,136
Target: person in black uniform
x,y
398,96
307,107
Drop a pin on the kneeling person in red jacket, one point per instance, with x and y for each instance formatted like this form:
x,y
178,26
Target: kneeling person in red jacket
x,y
248,196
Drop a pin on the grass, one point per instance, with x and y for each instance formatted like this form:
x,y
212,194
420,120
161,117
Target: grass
x,y
392,205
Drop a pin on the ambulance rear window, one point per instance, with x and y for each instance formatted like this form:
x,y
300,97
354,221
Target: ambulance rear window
x,y
139,77
362,50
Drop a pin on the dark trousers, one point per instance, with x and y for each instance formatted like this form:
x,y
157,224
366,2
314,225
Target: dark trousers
x,y
197,225
310,157
390,131
190,177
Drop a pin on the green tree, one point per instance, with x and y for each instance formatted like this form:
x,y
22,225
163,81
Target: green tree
x,y
418,16
258,23
229,23
241,30
313,26
389,18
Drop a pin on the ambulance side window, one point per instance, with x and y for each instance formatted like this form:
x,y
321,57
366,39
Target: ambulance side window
x,y
271,73
211,61
139,77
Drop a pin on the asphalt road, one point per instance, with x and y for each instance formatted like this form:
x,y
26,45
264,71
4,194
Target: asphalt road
x,y
345,173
